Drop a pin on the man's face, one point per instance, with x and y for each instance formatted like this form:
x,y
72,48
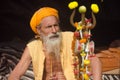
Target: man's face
x,y
49,25
50,34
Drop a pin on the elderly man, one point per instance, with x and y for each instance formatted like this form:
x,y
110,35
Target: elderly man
x,y
50,52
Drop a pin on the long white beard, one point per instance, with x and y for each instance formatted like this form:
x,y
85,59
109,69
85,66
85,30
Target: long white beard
x,y
53,44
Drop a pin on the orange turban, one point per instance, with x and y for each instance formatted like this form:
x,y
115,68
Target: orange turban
x,y
40,14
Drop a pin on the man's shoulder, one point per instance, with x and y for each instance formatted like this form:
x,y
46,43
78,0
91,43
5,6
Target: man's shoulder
x,y
67,33
34,42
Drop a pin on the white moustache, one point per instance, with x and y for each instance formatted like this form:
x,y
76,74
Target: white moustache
x,y
53,36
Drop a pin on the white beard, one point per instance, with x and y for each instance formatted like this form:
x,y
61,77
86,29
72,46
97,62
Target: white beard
x,y
52,44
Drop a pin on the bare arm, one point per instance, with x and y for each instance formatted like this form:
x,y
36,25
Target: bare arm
x,y
96,68
21,67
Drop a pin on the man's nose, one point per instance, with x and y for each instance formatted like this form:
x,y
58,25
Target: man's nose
x,y
54,30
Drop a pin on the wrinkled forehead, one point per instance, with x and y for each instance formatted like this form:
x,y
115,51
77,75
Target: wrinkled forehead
x,y
50,20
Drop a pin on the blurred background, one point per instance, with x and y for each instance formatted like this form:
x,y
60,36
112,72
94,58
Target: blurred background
x,y
16,14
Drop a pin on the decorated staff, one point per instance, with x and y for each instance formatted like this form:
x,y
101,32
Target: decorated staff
x,y
83,46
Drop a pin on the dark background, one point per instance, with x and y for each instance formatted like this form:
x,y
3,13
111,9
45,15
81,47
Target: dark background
x,y
16,14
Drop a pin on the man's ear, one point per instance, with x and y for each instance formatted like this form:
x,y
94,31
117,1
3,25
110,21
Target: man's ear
x,y
38,29
39,33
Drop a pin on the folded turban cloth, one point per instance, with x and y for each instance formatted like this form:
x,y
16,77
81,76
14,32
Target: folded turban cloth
x,y
40,14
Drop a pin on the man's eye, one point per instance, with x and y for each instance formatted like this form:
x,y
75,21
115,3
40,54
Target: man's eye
x,y
56,24
49,26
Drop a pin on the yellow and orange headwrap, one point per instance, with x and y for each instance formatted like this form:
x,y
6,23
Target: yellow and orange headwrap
x,y
40,14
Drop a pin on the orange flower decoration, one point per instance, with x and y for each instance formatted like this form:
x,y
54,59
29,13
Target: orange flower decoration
x,y
83,40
